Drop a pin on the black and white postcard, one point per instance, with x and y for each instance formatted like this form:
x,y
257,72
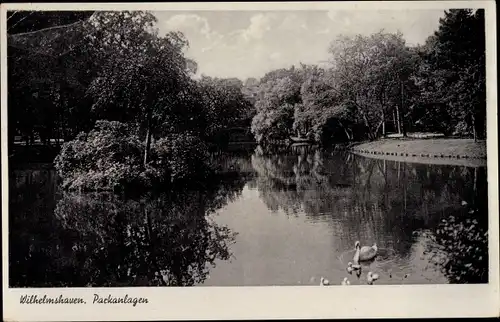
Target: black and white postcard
x,y
249,160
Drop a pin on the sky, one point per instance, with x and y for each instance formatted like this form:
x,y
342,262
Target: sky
x,y
246,44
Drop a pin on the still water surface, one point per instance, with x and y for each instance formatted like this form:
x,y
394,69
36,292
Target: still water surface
x,y
281,218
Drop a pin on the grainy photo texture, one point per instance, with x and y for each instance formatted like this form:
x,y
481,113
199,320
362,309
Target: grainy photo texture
x,y
246,148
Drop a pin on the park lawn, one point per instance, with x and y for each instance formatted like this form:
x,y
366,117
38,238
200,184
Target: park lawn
x,y
429,147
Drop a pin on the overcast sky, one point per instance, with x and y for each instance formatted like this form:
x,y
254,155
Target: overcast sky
x,y
250,43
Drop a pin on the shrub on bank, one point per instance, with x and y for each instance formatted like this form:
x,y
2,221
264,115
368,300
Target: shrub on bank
x,y
107,157
110,157
181,156
460,247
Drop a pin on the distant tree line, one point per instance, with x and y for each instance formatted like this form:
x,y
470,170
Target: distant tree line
x,y
378,84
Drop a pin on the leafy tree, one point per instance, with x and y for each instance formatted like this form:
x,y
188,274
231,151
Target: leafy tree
x,y
369,73
225,104
460,248
47,77
322,113
143,75
453,71
279,92
250,88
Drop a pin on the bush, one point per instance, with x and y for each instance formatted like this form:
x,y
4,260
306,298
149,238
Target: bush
x,y
110,157
460,247
182,156
462,129
104,159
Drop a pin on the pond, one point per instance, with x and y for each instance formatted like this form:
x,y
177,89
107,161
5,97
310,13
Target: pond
x,y
284,217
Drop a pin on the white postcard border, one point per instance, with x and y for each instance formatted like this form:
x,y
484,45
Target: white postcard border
x,y
271,302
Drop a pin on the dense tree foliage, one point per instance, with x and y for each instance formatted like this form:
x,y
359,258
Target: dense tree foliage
x,y
369,87
20,21
49,71
453,73
370,74
377,84
105,158
142,75
114,66
225,104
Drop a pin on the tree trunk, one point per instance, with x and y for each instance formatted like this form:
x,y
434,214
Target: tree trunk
x,y
347,134
55,134
349,138
474,127
398,122
367,124
401,113
377,128
55,128
148,140
148,145
395,122
62,133
383,123
403,129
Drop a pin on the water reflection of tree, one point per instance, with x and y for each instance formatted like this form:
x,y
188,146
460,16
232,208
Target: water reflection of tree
x,y
103,240
459,243
372,199
31,200
154,241
275,174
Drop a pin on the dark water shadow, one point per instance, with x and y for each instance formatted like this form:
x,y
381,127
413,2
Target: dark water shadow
x,y
99,239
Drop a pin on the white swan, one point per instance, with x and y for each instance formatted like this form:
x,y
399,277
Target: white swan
x,y
324,282
352,267
364,253
371,277
346,281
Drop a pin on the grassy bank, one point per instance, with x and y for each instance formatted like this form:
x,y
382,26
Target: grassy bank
x,y
434,151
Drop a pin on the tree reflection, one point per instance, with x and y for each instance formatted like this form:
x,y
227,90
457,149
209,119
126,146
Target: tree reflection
x,y
100,239
166,240
37,257
363,198
459,243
